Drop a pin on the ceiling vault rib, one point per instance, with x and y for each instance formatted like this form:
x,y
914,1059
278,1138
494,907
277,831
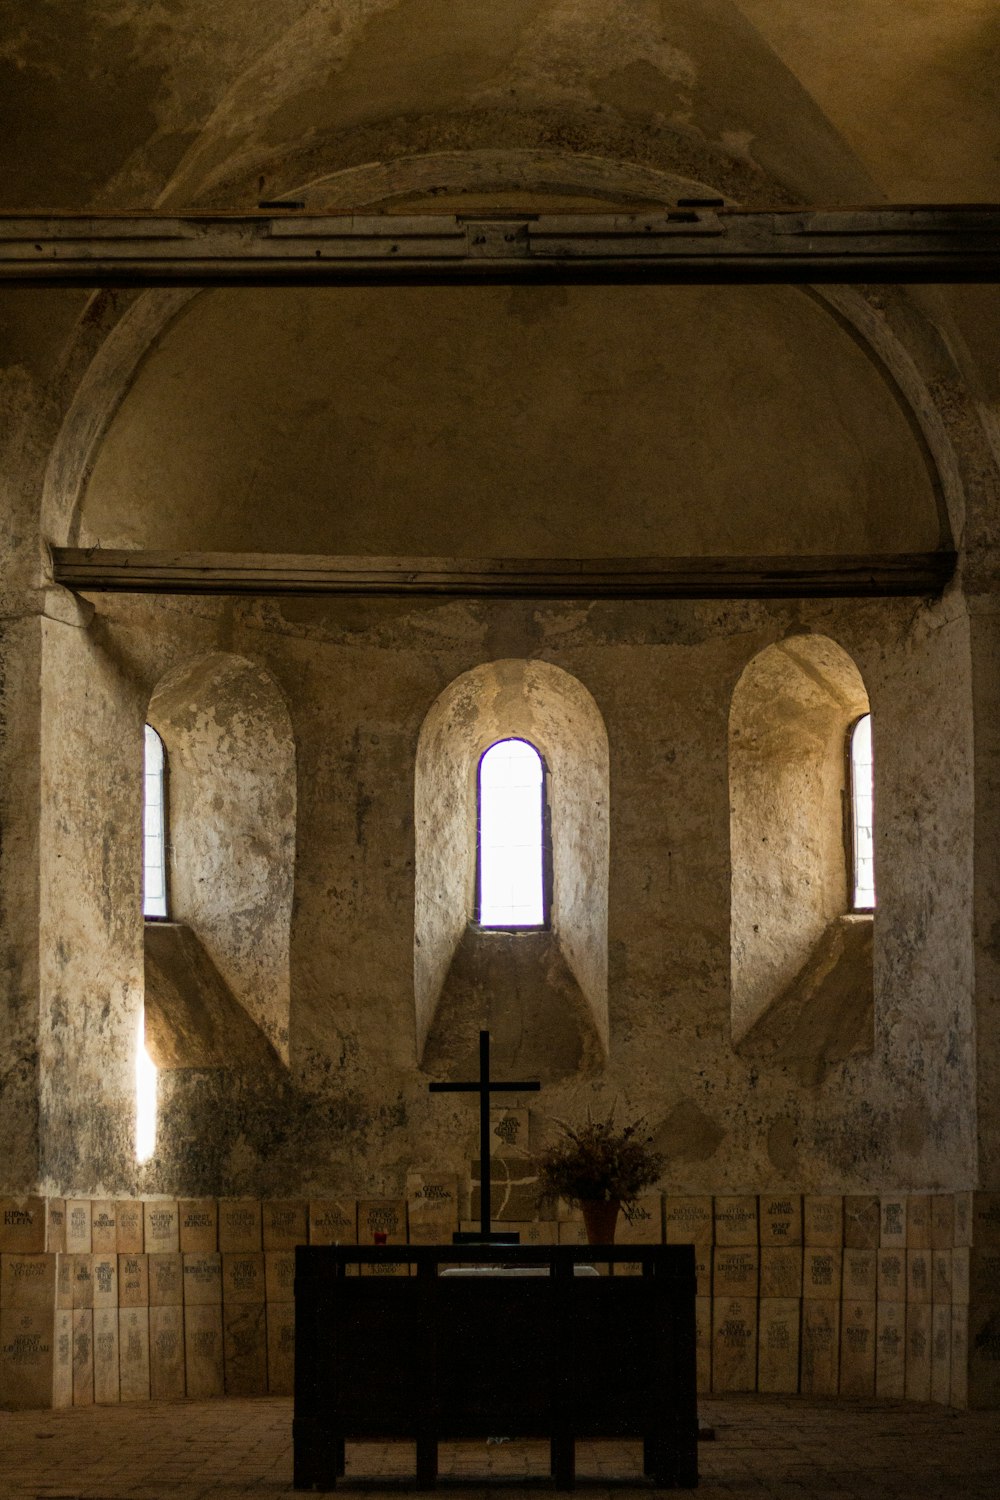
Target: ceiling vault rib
x,y
937,243
105,570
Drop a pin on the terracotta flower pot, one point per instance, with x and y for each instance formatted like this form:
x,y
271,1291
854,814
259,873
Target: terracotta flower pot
x,y
600,1218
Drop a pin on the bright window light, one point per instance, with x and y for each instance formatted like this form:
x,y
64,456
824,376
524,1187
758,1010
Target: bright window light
x,y
154,829
511,887
862,814
145,1097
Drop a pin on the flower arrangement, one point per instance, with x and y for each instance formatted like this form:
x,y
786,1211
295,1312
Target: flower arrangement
x,y
596,1162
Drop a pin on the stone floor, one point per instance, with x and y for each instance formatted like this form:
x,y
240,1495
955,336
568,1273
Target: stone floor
x,y
766,1448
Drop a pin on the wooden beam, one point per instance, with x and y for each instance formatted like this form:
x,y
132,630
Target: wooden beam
x,y
949,243
100,570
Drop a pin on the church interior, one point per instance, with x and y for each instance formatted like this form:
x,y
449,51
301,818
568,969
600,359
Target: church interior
x,y
243,920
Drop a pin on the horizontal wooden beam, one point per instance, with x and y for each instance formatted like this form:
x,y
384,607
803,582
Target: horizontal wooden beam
x,y
102,570
950,243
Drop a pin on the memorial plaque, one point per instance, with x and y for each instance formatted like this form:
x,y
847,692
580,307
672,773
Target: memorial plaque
x,y
890,1355
857,1349
688,1221
984,1276
285,1223
382,1216
821,1272
823,1220
820,1347
778,1340
243,1278
892,1275
942,1221
245,1338
64,1281
28,1281
959,1357
62,1345
431,1207
131,1226
198,1230
703,1269
509,1130
133,1353
918,1221
941,1353
240,1226
641,1222
918,1352
103,1227
703,1344
55,1225
781,1272
22,1226
280,1349
83,1356
166,1280
107,1387
203,1280
892,1223
535,1232
918,1276
574,1232
333,1221
105,1274
161,1227
133,1281
28,1357
734,1344
736,1221
963,1219
781,1220
279,1275
203,1350
861,1221
514,1190
735,1271
941,1276
961,1276
860,1281
166,1352
78,1240
83,1281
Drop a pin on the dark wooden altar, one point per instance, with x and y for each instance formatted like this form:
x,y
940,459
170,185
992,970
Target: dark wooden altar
x,y
433,1357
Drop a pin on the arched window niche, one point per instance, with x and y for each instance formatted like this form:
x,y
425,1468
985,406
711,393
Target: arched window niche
x,y
154,826
543,991
217,970
800,946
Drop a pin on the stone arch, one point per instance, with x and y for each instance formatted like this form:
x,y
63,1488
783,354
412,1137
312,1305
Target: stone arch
x,y
800,963
228,734
552,982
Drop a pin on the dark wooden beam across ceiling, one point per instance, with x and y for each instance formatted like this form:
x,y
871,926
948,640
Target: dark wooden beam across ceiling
x,y
708,245
102,570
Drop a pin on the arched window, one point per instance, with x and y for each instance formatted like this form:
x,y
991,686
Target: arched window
x,y
511,874
154,828
862,809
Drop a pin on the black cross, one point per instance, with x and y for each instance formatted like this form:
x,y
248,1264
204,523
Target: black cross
x,y
483,1086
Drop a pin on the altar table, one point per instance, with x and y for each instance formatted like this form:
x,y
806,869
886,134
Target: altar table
x,y
430,1357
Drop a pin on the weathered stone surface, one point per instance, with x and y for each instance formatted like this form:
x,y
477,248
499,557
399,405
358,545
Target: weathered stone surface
x,y
858,1332
285,1223
734,1343
133,1353
203,1350
820,1347
107,1380
240,1226
778,1351
202,1276
781,1272
245,1335
166,1352
242,1277
918,1351
198,1226
166,1280
161,1227
780,1220
333,1222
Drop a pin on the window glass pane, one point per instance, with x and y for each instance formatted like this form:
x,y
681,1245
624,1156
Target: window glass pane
x,y
154,882
862,809
510,836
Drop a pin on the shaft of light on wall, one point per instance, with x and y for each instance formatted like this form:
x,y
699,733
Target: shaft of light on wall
x,y
145,1097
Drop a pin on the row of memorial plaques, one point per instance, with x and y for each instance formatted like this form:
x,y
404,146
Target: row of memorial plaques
x,y
430,1211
